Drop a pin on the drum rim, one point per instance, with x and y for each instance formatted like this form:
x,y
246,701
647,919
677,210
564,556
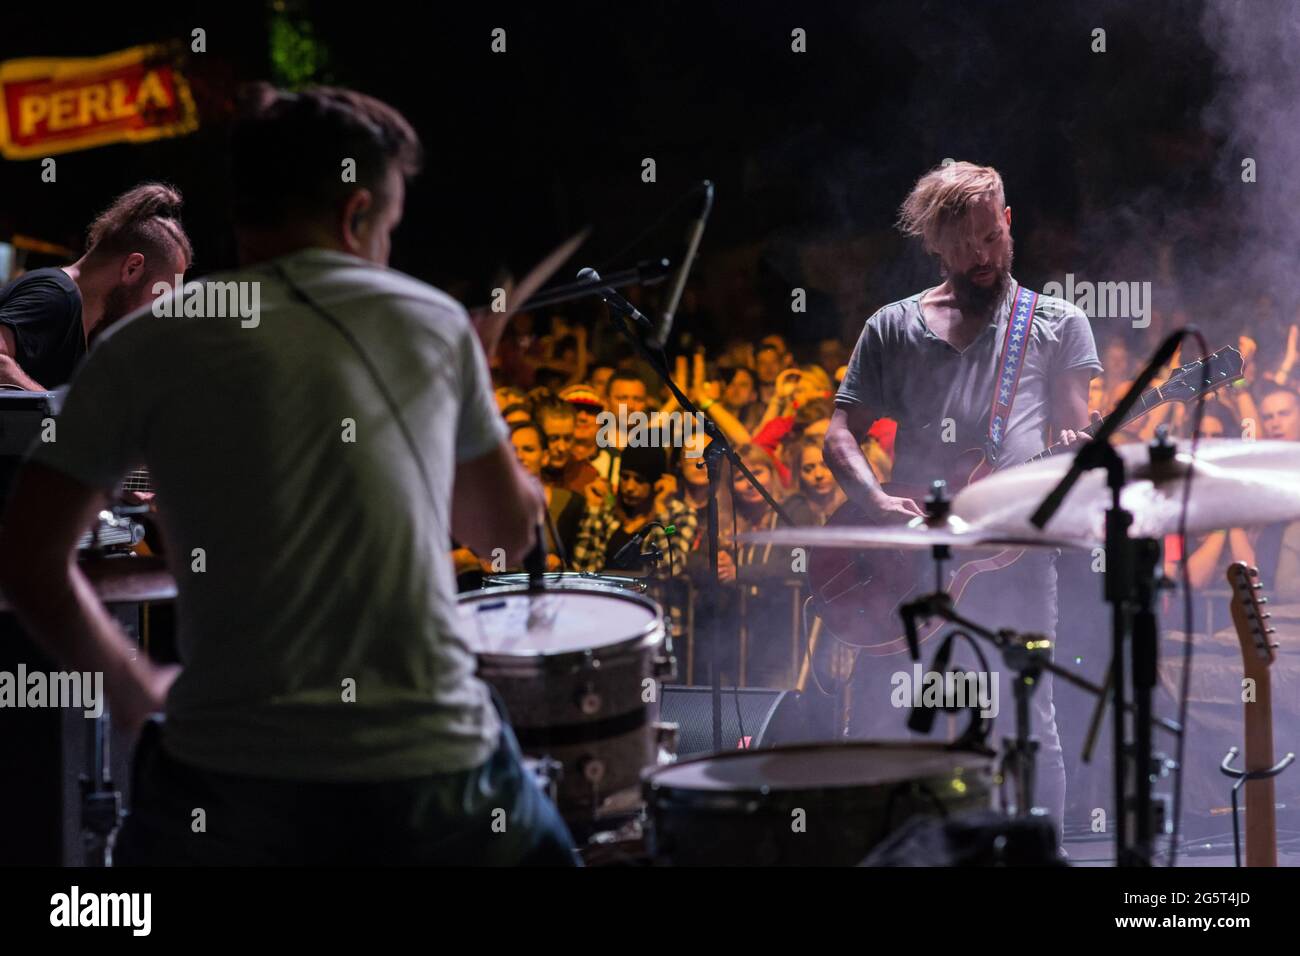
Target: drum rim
x,y
567,581
654,633
652,786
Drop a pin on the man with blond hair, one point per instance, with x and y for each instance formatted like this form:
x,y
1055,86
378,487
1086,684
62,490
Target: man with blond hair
x,y
935,362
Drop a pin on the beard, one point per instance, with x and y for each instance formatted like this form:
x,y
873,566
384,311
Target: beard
x,y
977,300
117,303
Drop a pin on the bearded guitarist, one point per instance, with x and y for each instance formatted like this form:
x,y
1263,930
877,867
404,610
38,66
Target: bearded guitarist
x,y
977,360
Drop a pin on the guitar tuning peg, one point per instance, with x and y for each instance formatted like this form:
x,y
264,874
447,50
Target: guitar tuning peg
x,y
1270,630
1265,616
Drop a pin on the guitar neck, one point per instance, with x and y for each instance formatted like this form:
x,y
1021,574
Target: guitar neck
x,y
1147,401
1258,651
1261,821
137,480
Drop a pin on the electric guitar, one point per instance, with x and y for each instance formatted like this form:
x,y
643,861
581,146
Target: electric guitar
x,y
138,480
1257,655
857,594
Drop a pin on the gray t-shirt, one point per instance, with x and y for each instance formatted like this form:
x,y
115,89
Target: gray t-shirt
x,y
941,397
317,614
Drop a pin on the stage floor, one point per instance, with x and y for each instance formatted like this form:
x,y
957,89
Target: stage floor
x,y
1100,851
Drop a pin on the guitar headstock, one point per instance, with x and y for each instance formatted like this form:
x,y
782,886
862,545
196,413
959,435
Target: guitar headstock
x,y
1251,620
1188,381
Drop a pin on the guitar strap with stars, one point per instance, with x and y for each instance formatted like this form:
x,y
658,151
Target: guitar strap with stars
x,y
1014,345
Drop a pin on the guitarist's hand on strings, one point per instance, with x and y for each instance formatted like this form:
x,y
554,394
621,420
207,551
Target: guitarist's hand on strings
x,y
847,463
890,509
1069,436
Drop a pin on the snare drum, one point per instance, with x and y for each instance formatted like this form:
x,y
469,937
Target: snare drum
x,y
580,670
808,804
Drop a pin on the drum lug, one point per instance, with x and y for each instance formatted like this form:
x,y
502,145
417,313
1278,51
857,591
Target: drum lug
x,y
593,770
588,700
665,668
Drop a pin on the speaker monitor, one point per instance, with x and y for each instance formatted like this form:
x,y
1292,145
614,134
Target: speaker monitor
x,y
751,717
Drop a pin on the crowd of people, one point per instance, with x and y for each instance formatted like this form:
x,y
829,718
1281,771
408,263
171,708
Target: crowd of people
x,y
569,407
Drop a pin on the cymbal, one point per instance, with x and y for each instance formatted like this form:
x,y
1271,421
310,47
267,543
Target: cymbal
x,y
1235,484
914,536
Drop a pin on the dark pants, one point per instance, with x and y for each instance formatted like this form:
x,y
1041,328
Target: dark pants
x,y
1021,597
493,815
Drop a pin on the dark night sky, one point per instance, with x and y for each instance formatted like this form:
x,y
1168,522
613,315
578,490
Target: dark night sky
x,y
1105,150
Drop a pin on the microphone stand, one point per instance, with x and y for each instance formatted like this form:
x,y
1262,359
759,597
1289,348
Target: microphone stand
x,y
647,272
1028,656
1131,581
717,449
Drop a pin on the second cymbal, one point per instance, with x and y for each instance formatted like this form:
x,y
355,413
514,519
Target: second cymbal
x,y
1235,484
916,535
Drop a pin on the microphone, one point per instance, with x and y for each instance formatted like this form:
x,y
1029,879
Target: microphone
x,y
909,628
632,550
659,338
922,718
614,300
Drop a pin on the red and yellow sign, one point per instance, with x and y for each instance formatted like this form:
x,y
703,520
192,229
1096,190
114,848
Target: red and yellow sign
x,y
58,105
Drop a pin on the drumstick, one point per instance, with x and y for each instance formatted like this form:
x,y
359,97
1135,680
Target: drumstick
x,y
554,531
489,325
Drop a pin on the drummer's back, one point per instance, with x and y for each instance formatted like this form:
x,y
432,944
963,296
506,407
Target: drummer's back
x,y
316,602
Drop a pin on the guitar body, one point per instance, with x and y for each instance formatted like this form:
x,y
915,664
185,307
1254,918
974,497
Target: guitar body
x,y
857,593
138,481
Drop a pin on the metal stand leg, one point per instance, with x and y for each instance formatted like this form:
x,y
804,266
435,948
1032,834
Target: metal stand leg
x,y
1240,778
101,802
742,665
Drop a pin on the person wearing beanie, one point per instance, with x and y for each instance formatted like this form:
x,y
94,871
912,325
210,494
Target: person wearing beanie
x,y
646,494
